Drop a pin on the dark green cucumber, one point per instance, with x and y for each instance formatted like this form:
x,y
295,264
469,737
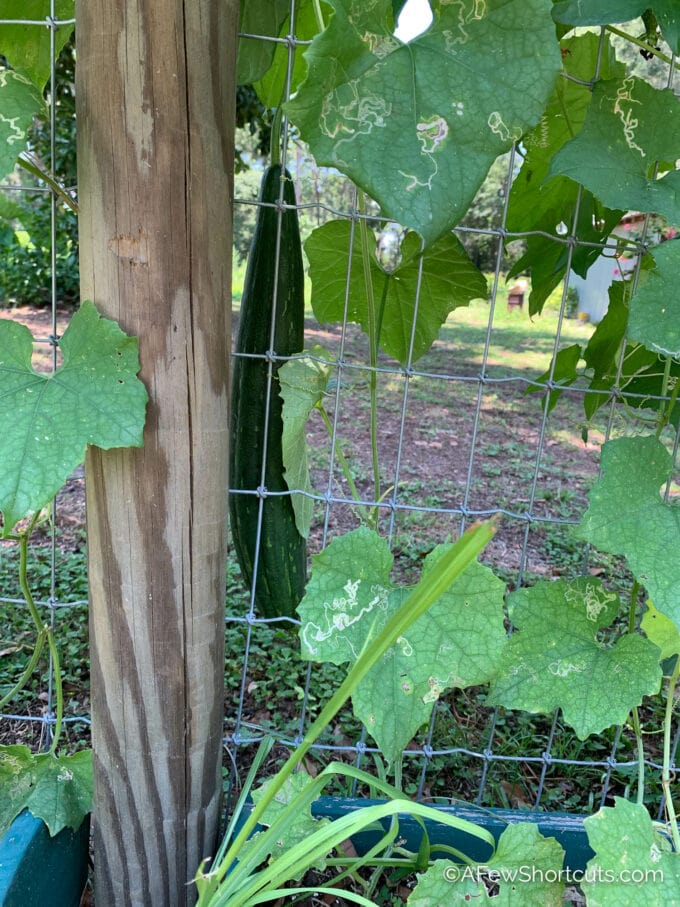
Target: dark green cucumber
x,y
282,556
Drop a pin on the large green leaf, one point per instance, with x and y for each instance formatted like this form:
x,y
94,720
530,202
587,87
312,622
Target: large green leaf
x,y
537,203
628,516
473,90
556,660
255,55
614,154
654,318
457,643
661,630
633,864
448,280
20,101
533,200
27,47
273,83
524,870
48,420
303,384
56,789
604,347
576,12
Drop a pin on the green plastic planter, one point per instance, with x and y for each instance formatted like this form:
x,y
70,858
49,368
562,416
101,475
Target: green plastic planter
x,y
567,829
39,871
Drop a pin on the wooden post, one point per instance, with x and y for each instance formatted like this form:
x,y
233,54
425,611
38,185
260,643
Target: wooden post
x,y
155,94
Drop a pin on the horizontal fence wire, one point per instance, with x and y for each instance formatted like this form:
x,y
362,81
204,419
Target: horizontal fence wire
x,y
492,757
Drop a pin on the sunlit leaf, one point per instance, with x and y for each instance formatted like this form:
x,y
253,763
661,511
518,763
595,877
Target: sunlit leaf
x,y
557,660
49,419
423,153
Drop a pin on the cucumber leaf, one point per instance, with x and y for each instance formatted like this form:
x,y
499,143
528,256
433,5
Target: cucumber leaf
x,y
537,205
56,789
661,630
303,384
633,864
603,348
556,659
27,47
474,91
457,643
449,280
628,516
255,55
49,419
20,101
613,155
521,848
654,318
272,84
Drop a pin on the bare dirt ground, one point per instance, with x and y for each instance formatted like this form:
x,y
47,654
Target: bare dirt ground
x,y
426,451
448,447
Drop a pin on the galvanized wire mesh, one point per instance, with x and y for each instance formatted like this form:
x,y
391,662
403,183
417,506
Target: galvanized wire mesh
x,y
448,403
489,756
30,718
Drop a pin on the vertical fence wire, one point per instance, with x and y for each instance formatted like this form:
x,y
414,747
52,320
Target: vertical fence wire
x,y
534,763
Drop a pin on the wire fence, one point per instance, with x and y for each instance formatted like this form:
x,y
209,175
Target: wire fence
x,y
60,595
465,432
461,437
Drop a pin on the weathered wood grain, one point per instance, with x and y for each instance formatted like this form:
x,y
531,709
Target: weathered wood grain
x,y
155,95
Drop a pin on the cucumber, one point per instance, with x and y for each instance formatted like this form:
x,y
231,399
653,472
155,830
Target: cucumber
x,y
282,557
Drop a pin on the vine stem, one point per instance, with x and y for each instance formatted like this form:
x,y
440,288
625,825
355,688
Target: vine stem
x,y
275,140
30,163
666,413
643,45
373,339
632,621
666,770
344,465
44,632
28,670
663,420
318,14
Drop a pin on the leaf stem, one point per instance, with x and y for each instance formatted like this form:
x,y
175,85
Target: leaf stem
x,y
318,14
44,630
667,411
31,163
28,670
632,611
373,339
635,715
666,770
346,471
275,140
23,580
643,45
